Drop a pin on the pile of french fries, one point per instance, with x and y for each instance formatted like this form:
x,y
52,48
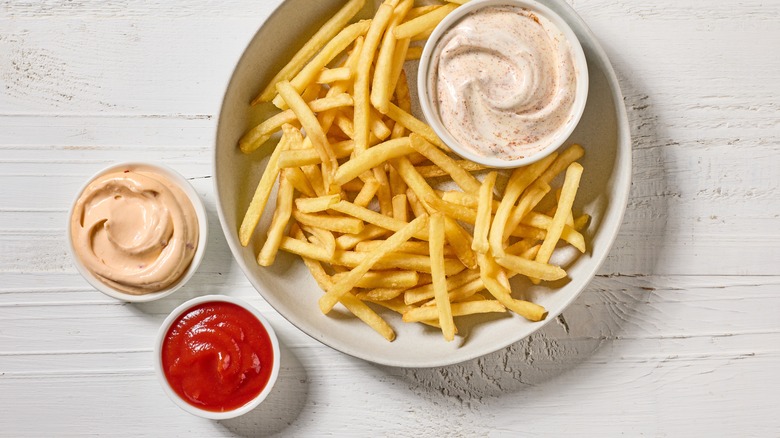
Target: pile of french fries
x,y
358,178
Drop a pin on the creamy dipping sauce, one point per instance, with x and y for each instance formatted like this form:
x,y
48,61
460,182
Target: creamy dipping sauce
x,y
135,230
505,82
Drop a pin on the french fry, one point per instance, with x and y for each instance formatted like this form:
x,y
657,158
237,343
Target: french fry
x,y
462,178
263,191
333,48
330,75
383,84
458,309
521,178
354,305
370,231
489,275
380,294
299,181
284,202
384,279
312,46
436,244
570,185
347,225
413,53
344,285
414,247
312,127
323,237
423,23
436,171
367,193
569,234
373,157
530,268
362,75
482,225
425,292
258,135
399,208
413,124
372,217
315,205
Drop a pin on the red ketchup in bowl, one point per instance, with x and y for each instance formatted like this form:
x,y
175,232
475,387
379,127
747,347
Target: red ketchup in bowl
x,y
217,356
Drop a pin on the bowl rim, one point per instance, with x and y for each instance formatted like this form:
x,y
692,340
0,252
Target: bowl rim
x,y
200,211
621,173
425,83
192,409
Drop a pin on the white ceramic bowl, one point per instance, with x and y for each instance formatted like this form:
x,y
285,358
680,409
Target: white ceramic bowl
x,y
200,212
212,415
426,82
289,287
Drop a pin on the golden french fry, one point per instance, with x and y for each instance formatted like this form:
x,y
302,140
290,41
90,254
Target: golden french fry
x,y
258,135
399,208
315,205
351,259
312,46
435,171
425,292
482,225
458,309
423,23
299,181
284,202
362,75
570,185
367,193
383,86
333,48
373,157
372,217
420,10
489,275
581,222
413,124
521,178
347,225
263,191
384,279
344,285
544,222
383,194
312,127
330,75
462,178
323,237
413,53
530,268
380,294
415,247
354,305
436,244
370,231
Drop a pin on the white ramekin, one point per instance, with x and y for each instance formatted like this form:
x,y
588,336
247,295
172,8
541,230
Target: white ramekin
x,y
426,82
212,415
200,212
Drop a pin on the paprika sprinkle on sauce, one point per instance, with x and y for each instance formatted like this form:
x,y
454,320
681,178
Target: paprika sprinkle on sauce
x,y
217,356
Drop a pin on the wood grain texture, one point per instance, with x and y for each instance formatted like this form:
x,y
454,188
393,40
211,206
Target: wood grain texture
x,y
678,335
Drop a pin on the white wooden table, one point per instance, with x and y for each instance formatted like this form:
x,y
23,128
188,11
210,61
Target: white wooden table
x,y
679,335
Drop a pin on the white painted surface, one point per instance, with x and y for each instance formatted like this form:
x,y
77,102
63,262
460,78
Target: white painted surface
x,y
678,336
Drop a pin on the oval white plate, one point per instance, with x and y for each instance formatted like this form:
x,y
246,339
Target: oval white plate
x,y
288,286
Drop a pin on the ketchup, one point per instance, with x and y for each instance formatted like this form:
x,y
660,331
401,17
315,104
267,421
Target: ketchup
x,y
217,356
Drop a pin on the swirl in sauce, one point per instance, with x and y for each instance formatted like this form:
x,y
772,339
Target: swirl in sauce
x,y
505,81
134,230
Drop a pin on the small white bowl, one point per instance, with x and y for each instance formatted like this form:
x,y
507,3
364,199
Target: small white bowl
x,y
426,83
200,212
213,415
